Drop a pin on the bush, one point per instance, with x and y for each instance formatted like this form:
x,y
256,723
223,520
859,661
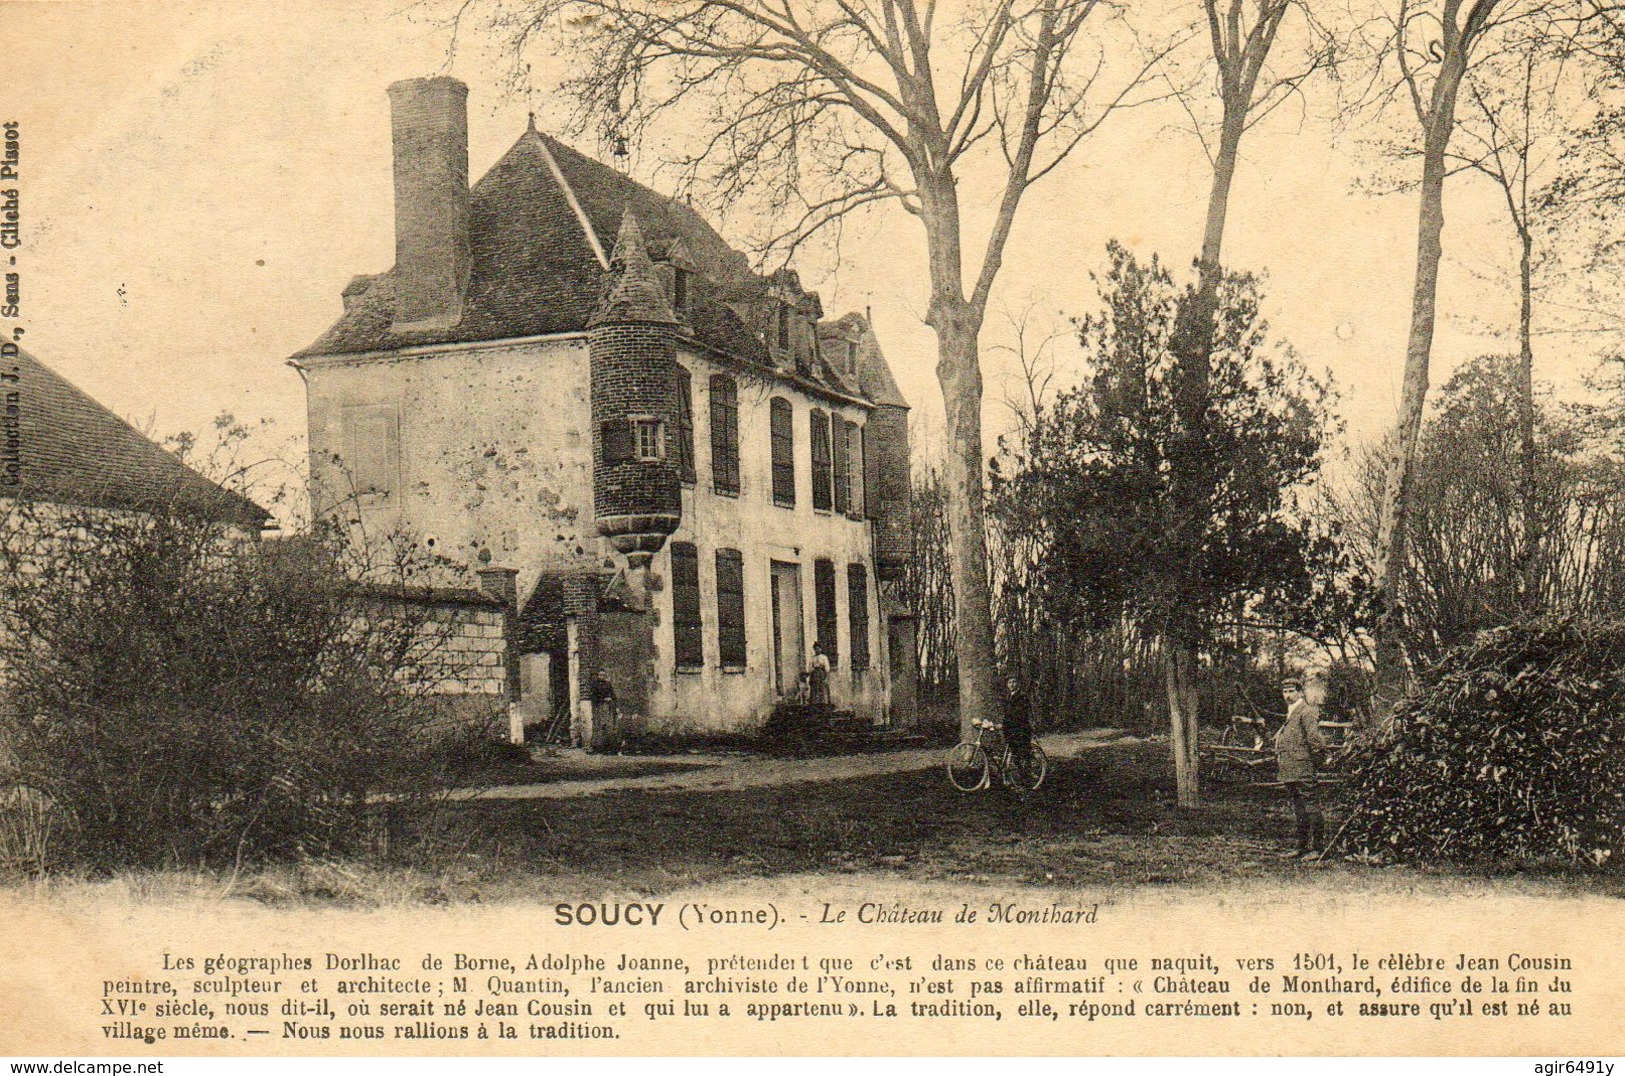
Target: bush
x,y
1511,749
181,693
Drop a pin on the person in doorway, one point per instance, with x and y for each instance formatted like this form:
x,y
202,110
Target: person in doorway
x,y
1297,745
818,676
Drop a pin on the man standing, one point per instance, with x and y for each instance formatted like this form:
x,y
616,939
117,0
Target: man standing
x,y
1296,745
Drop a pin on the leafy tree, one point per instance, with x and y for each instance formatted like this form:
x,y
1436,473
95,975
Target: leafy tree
x,y
1097,476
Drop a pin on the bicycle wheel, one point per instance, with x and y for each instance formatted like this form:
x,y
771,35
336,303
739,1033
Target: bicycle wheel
x,y
1038,768
967,767
1033,776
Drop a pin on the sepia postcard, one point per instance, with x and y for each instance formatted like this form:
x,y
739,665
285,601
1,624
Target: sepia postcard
x,y
612,528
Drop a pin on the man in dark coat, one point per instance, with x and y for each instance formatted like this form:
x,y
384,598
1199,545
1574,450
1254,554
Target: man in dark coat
x,y
1296,746
1018,731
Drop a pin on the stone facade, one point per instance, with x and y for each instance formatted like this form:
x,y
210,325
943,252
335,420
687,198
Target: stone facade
x,y
687,475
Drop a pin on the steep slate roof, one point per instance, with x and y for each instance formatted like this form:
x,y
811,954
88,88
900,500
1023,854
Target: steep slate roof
x,y
542,225
72,450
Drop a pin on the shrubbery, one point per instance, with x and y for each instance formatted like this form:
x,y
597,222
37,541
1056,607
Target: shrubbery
x,y
1513,749
181,694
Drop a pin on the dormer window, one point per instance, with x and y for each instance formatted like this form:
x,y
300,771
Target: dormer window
x,y
784,327
679,291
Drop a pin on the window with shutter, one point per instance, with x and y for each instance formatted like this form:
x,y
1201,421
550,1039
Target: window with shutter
x,y
820,460
843,471
685,425
688,640
731,608
782,421
724,434
855,468
372,452
857,613
824,606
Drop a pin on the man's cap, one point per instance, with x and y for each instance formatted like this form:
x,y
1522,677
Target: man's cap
x,y
1292,681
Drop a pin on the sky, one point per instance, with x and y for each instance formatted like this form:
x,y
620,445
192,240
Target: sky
x,y
200,180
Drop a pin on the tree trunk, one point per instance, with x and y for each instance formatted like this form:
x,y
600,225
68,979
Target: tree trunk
x,y
1191,481
1180,668
958,323
1529,595
1438,126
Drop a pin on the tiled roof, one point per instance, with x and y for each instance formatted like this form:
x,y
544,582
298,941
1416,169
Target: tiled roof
x,y
542,224
70,449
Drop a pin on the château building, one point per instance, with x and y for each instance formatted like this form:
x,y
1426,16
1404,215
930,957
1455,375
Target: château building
x,y
674,470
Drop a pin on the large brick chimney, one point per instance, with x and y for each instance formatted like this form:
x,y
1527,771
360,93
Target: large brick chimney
x,y
430,124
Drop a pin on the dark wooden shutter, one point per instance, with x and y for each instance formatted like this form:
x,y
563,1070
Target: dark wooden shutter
x,y
618,443
687,633
820,459
731,608
724,434
824,599
842,463
857,613
782,421
685,425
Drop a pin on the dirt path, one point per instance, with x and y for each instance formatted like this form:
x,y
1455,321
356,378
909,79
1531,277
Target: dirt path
x,y
718,773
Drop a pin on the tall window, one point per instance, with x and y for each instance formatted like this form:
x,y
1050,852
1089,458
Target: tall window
x,y
724,434
843,467
857,613
860,463
824,605
782,421
688,639
854,467
784,327
731,608
820,459
685,425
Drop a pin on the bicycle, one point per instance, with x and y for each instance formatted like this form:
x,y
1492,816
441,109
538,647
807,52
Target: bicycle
x,y
971,766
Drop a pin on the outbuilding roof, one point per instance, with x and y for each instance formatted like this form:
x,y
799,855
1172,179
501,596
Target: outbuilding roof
x,y
58,444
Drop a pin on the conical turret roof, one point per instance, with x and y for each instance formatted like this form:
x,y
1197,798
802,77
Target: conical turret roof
x,y
634,291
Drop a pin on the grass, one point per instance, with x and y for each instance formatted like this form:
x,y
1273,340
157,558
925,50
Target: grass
x,y
1107,819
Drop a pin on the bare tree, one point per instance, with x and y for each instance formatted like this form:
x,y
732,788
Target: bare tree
x,y
1430,47
823,107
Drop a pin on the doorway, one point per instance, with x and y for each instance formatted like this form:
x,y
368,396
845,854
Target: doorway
x,y
788,647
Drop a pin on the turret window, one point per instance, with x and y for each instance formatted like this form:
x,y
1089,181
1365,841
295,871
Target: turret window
x,y
648,437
